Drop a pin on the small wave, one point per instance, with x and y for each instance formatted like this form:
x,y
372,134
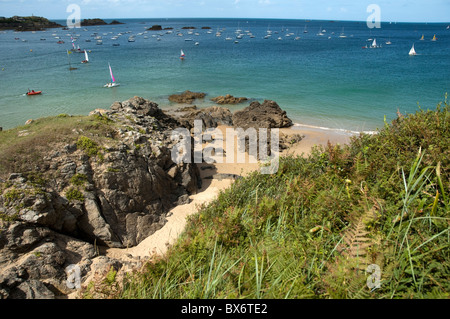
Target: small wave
x,y
341,130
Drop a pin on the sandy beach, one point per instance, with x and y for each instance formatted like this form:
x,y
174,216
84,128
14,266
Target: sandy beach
x,y
160,241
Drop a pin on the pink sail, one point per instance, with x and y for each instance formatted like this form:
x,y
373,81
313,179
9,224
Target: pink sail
x,y
112,76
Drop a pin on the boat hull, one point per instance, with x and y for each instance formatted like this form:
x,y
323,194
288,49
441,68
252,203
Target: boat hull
x,y
34,93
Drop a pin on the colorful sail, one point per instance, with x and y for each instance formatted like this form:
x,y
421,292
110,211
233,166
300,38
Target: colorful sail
x,y
434,38
112,76
182,54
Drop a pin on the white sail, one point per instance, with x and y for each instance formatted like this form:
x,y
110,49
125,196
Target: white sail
x,y
412,51
86,55
374,43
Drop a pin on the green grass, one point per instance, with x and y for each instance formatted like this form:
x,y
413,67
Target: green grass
x,y
279,236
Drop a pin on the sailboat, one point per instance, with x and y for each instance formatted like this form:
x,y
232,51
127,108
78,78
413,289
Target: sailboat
x,y
113,80
412,51
342,34
70,65
182,55
305,31
86,57
434,38
422,38
374,44
320,31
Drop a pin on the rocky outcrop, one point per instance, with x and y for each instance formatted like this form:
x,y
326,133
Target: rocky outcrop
x,y
186,97
113,22
265,115
228,99
89,22
155,27
112,194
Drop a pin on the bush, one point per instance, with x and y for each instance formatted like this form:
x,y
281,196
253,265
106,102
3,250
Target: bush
x,y
73,194
90,147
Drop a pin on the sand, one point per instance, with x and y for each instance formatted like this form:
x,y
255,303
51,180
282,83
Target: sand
x,y
159,242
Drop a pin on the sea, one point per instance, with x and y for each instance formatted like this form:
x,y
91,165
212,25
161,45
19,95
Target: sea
x,y
323,73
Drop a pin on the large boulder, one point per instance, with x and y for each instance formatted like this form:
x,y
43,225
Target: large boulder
x,y
228,99
266,115
186,97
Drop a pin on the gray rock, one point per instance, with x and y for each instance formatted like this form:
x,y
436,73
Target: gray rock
x,y
32,289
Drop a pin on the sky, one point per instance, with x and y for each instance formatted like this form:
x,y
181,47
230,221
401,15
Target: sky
x,y
389,10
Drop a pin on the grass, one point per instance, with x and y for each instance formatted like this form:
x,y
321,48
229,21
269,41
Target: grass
x,y
280,235
22,153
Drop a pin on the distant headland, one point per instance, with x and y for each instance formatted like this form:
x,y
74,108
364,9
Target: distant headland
x,y
32,23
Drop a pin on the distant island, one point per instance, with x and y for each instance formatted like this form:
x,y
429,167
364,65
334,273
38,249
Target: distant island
x,y
32,23
97,21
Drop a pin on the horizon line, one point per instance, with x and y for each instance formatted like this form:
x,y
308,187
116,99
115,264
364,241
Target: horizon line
x,y
265,18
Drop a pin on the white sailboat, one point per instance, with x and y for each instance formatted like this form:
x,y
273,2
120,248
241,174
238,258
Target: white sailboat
x,y
412,51
374,44
113,82
86,57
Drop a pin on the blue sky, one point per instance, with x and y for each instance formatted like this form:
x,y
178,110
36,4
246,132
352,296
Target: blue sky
x,y
391,10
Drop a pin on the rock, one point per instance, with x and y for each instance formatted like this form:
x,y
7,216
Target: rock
x,y
188,28
116,22
206,28
266,115
211,116
155,27
186,97
32,289
229,99
29,122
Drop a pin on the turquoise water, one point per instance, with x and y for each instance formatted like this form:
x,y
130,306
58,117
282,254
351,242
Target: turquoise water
x,y
324,81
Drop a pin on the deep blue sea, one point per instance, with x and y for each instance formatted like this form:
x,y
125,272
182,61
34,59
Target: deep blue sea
x,y
320,80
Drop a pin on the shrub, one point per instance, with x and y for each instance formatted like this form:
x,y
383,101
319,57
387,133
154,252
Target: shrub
x,y
73,194
90,147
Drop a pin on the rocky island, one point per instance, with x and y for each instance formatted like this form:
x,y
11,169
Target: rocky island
x,y
89,22
32,23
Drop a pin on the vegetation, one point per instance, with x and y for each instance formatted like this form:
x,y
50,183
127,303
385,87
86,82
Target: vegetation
x,y
74,194
312,229
24,147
